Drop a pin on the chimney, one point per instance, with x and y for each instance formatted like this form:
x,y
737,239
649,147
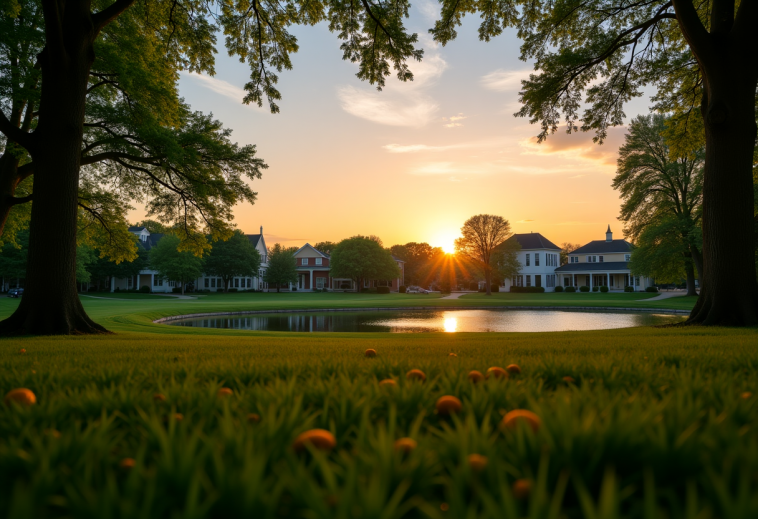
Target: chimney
x,y
261,229
608,234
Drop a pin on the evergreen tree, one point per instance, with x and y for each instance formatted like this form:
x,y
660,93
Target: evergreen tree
x,y
175,264
282,267
235,257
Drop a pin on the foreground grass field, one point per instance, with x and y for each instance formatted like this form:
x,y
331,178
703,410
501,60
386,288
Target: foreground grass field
x,y
657,423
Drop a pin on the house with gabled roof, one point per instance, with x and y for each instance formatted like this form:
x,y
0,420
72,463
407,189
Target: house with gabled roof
x,y
602,263
313,273
539,258
156,283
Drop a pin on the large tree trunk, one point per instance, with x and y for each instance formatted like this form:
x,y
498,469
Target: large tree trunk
x,y
690,271
50,305
730,293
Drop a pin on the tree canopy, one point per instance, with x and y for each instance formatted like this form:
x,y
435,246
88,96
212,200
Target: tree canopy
x,y
235,257
362,258
480,236
174,264
662,201
422,262
282,267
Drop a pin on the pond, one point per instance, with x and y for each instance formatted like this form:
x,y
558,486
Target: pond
x,y
419,321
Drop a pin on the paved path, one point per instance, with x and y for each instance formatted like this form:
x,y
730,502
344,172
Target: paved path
x,y
667,295
177,296
456,295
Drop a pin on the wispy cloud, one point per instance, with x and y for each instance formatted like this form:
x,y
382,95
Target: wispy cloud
x,y
429,10
219,86
399,104
578,176
414,148
504,80
524,221
578,146
452,122
578,223
454,168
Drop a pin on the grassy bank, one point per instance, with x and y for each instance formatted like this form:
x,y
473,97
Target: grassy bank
x,y
657,422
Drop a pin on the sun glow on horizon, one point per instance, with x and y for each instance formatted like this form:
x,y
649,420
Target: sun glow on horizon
x,y
445,241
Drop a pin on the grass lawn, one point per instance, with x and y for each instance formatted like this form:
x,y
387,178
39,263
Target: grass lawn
x,y
657,422
123,295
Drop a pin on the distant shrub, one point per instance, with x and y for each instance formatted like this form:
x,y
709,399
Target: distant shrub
x,y
117,289
176,290
382,290
584,288
571,289
365,290
628,289
595,288
233,290
528,290
402,289
604,288
496,288
651,289
559,289
473,286
144,289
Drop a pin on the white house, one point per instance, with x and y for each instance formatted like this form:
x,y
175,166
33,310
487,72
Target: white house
x,y
602,263
158,284
539,257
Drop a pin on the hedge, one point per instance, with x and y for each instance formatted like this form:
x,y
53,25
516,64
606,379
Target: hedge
x,y
402,289
604,288
571,289
584,288
559,289
628,289
651,289
528,290
382,290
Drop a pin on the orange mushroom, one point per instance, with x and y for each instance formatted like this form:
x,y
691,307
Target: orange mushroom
x,y
477,462
512,419
475,376
224,392
370,352
157,397
497,372
568,380
320,439
405,445
415,374
22,351
448,404
513,369
388,382
127,463
253,418
746,395
522,488
21,396
451,354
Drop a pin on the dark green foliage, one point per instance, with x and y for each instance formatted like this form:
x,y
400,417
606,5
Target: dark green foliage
x,y
422,262
235,257
572,289
495,287
628,289
604,288
584,288
651,289
473,286
145,289
382,290
282,267
402,289
527,290
173,264
558,289
360,258
595,288
13,258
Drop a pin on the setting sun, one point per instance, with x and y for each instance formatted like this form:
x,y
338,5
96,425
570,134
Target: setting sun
x,y
446,241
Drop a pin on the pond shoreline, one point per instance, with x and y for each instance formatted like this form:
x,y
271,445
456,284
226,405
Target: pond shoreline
x,y
410,308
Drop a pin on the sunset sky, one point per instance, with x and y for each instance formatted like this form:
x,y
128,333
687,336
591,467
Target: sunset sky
x,y
412,162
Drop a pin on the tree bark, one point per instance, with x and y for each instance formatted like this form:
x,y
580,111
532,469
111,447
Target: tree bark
x,y
51,305
690,272
729,295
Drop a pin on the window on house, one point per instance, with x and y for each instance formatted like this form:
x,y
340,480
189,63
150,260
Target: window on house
x,y
538,280
627,257
318,261
536,259
237,281
219,282
207,283
304,261
213,283
637,281
320,282
157,282
249,282
527,259
528,280
601,259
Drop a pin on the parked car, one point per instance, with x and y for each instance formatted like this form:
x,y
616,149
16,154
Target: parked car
x,y
416,290
15,292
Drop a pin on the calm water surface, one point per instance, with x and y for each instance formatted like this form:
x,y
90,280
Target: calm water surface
x,y
417,321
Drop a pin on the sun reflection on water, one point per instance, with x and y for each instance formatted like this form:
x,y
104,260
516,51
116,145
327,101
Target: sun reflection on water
x,y
451,324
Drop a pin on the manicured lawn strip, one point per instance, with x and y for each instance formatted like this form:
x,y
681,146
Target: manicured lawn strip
x,y
123,295
655,421
129,316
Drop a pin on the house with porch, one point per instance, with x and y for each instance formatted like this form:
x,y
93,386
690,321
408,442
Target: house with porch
x,y
157,283
313,273
539,258
601,263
